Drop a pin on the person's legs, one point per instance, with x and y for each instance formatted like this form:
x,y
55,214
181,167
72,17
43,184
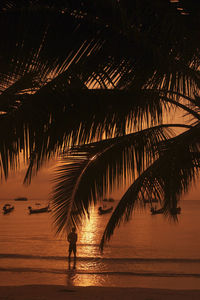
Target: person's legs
x,y
70,251
74,251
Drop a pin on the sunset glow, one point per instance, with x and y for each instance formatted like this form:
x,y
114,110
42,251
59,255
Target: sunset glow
x,y
100,150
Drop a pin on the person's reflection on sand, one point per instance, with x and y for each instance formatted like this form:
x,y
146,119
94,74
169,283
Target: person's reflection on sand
x,y
71,273
71,265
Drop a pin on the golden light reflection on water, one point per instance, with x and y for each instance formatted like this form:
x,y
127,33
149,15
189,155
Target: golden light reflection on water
x,y
84,279
89,235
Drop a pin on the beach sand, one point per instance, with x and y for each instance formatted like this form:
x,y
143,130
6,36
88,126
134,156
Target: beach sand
x,y
51,292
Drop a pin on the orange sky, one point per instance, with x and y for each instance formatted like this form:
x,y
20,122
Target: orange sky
x,y
41,186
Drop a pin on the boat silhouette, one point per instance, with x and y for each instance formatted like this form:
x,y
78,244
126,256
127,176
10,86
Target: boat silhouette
x,y
21,199
7,208
38,210
104,210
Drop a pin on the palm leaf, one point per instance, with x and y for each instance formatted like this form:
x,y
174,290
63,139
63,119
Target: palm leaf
x,y
89,171
166,180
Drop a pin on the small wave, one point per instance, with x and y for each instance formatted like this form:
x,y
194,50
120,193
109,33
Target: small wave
x,y
75,272
102,259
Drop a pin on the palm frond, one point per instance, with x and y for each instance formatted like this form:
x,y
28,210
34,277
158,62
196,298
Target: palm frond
x,y
89,171
67,207
166,180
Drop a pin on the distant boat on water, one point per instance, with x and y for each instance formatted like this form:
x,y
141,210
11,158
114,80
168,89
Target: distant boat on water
x,y
103,211
7,208
38,210
155,211
21,199
173,211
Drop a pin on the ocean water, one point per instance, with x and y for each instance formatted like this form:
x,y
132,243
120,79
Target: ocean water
x,y
149,251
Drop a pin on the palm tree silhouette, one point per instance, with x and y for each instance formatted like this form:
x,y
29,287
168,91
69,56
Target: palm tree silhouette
x,y
93,83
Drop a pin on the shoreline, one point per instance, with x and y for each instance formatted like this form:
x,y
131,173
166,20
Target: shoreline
x,y
61,292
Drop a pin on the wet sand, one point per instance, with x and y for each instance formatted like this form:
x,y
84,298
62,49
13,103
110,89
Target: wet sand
x,y
51,292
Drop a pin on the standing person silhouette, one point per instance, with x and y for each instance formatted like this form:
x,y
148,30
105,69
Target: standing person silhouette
x,y
72,239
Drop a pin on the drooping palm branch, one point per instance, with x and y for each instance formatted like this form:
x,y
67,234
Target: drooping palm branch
x,y
88,171
166,179
160,167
